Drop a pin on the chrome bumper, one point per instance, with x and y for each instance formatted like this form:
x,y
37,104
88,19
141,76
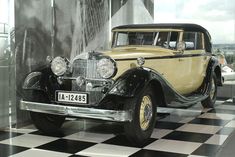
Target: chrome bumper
x,y
109,115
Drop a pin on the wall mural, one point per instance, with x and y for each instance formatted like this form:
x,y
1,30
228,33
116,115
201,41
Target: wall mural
x,y
51,28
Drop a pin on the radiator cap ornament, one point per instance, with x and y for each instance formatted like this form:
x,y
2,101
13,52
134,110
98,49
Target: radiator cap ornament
x,y
140,61
80,81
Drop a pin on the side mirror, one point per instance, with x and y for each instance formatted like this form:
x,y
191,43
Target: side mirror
x,y
181,46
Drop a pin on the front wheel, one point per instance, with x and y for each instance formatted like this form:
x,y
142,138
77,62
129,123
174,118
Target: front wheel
x,y
143,108
210,100
47,123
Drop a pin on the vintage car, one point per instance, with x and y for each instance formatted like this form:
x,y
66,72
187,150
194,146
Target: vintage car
x,y
149,65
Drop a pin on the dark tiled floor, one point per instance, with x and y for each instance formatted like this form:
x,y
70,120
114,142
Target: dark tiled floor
x,y
206,150
146,153
121,140
168,125
217,122
178,134
188,136
67,146
7,150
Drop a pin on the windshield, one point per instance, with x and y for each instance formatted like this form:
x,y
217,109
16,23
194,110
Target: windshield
x,y
162,39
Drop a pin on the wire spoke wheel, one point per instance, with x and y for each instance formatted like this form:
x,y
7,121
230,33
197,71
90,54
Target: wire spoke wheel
x,y
146,112
144,107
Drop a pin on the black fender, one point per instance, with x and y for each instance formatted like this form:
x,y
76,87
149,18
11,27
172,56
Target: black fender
x,y
44,81
135,80
214,67
38,79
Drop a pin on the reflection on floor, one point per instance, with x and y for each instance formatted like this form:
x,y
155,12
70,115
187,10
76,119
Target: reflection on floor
x,y
178,133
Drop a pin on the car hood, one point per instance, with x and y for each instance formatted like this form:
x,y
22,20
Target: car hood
x,y
135,52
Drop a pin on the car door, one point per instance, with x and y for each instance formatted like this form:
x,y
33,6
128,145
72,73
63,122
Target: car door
x,y
172,64
195,58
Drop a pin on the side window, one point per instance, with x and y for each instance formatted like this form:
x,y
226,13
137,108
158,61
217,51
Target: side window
x,y
193,40
122,39
199,40
173,40
189,39
162,39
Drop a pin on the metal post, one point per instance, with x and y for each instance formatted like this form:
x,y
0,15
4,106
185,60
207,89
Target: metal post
x,y
53,24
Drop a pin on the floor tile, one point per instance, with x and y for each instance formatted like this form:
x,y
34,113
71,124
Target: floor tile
x,y
222,111
231,124
89,137
198,128
39,153
188,136
186,120
67,146
28,140
226,107
177,118
21,130
61,133
159,133
107,128
152,153
217,122
121,140
225,131
168,125
217,116
206,150
174,146
217,139
8,134
106,150
7,150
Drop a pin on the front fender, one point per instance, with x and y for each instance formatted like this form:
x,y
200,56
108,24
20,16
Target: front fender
x,y
32,81
38,79
131,82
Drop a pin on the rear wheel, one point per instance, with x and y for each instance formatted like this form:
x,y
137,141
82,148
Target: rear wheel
x,y
210,100
47,123
139,130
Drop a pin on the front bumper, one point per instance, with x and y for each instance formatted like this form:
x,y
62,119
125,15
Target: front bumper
x,y
109,115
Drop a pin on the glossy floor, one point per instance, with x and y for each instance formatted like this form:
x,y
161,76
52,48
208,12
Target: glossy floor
x,y
193,132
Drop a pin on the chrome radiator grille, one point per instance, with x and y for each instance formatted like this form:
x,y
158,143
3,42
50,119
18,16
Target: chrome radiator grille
x,y
87,69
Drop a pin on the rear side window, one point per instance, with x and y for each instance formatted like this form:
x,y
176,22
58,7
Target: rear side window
x,y
193,40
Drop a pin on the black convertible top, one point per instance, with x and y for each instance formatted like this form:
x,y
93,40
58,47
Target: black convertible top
x,y
183,26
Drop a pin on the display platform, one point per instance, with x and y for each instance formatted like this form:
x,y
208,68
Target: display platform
x,y
193,132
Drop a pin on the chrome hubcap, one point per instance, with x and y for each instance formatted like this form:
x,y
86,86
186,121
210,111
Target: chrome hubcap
x,y
212,92
146,112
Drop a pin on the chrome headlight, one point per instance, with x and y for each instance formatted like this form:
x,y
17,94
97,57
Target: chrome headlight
x,y
59,66
106,68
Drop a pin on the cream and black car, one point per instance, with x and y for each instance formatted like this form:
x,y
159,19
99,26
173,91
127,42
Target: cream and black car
x,y
167,65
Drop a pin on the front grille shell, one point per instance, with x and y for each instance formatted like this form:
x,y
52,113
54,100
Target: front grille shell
x,y
87,68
